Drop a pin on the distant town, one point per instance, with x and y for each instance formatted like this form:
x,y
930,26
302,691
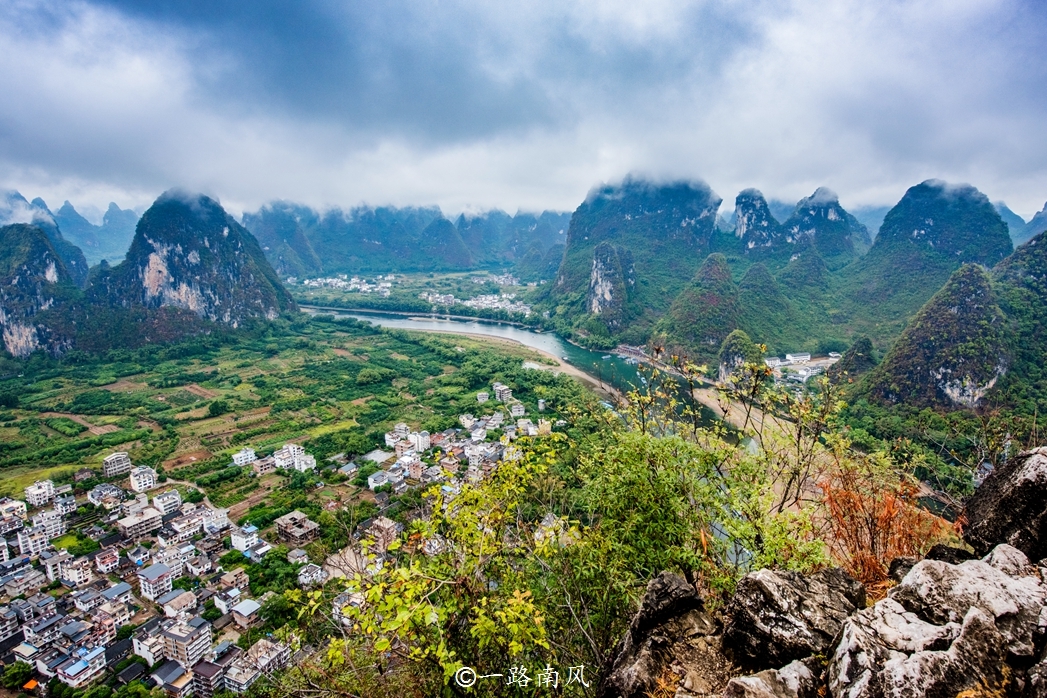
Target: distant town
x,y
133,580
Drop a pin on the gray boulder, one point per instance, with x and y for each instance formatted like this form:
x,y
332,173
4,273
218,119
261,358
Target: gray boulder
x,y
944,630
670,638
778,617
1009,507
795,680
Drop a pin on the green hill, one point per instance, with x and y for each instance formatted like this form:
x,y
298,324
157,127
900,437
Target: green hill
x,y
662,230
702,315
952,353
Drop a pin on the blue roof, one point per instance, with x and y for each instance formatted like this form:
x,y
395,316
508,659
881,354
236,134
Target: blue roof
x,y
116,590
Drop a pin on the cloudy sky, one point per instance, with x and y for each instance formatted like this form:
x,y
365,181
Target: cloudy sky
x,y
478,104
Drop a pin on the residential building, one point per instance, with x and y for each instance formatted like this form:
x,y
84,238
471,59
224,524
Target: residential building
x,y
402,430
86,600
43,632
502,392
293,457
482,397
40,493
403,447
240,676
51,560
297,528
143,478
244,456
297,556
106,495
85,666
215,520
541,405
118,593
139,555
174,679
147,643
264,466
141,523
116,464
9,625
177,602
13,508
24,582
420,440
243,538
517,409
35,607
800,358
187,641
83,474
107,560
77,573
51,521
208,679
155,581
168,502
65,504
311,574
377,479
33,540
245,613
235,578
384,531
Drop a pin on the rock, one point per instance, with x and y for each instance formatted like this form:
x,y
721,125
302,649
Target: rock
x,y
900,567
947,553
944,630
1009,507
777,617
670,635
795,680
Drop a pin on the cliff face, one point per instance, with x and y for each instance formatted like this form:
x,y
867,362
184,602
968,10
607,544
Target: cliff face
x,y
754,223
610,280
189,253
953,351
33,281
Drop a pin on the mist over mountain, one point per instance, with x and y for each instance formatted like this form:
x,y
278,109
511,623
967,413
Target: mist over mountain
x,y
1034,227
15,209
301,241
108,241
1015,224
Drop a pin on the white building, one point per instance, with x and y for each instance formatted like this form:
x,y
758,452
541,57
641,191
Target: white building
x,y
798,358
420,440
116,464
243,538
244,456
517,409
294,457
502,392
377,479
168,502
143,479
33,540
482,397
155,581
402,430
40,493
13,508
52,523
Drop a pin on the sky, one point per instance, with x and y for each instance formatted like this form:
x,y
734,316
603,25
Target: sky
x,y
472,105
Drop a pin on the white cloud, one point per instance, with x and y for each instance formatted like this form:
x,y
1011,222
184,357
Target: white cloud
x,y
866,98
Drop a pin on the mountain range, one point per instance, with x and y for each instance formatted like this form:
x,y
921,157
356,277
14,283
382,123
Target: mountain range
x,y
633,268
190,268
300,241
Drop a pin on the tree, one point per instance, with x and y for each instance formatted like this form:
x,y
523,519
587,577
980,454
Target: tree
x,y
217,408
16,675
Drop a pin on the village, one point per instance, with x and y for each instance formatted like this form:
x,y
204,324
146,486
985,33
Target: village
x,y
131,581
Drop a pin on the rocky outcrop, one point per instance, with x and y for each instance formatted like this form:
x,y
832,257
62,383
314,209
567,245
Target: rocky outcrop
x,y
670,637
795,680
1009,507
754,223
777,617
820,221
944,630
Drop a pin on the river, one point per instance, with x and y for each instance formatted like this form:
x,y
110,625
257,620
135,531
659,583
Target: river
x,y
603,368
